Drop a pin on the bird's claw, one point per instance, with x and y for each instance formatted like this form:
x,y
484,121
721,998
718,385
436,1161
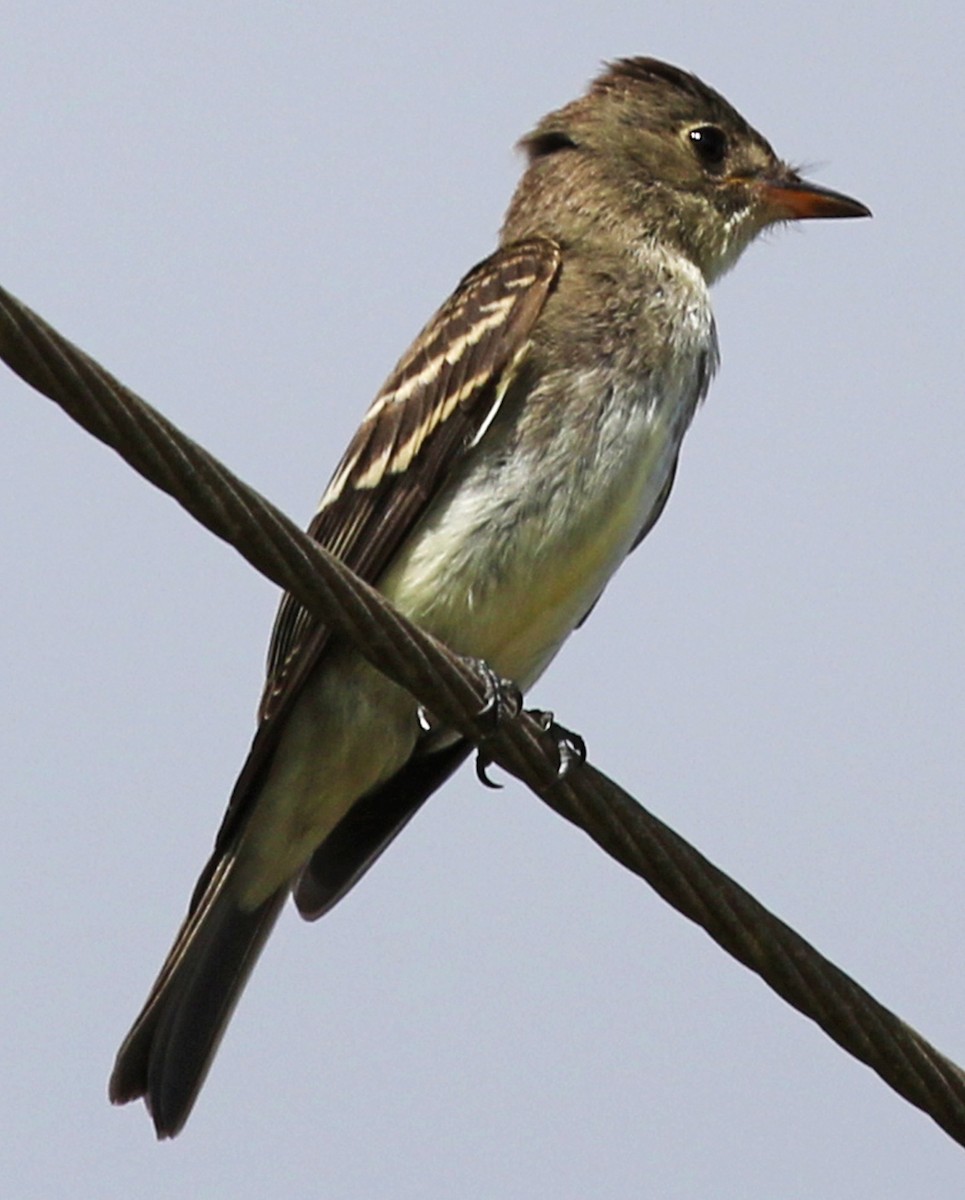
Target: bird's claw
x,y
570,746
503,701
483,762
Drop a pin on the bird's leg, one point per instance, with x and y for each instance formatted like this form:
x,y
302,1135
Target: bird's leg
x,y
502,701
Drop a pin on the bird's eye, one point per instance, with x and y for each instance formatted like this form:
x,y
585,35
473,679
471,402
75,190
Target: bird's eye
x,y
710,145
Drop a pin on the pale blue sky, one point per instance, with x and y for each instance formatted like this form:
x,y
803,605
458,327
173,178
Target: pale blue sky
x,y
246,212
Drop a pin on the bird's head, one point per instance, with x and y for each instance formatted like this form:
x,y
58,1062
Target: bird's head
x,y
654,151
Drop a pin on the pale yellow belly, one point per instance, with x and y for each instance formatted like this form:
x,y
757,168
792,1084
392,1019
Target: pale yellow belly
x,y
513,596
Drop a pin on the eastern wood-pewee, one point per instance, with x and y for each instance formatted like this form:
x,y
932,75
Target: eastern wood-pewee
x,y
525,443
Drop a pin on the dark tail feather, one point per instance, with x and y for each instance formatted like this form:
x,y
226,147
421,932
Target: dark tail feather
x,y
169,1049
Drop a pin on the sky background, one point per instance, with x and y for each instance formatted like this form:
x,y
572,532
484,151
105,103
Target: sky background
x,y
246,211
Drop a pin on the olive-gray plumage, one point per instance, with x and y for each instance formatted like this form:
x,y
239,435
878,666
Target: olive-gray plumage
x,y
522,447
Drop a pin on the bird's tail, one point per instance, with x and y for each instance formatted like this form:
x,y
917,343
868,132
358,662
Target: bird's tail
x,y
169,1049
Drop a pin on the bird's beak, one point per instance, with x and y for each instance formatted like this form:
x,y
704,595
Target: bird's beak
x,y
795,199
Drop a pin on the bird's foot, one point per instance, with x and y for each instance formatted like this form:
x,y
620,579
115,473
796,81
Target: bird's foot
x,y
503,701
570,746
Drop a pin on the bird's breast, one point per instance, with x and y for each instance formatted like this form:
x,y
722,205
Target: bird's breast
x,y
520,545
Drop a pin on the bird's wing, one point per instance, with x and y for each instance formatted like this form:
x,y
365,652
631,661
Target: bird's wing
x,y
371,824
655,513
432,409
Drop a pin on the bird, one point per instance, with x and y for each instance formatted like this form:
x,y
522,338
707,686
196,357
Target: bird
x,y
523,446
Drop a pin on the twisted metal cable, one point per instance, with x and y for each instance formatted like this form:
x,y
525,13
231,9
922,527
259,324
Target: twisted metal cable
x,y
454,692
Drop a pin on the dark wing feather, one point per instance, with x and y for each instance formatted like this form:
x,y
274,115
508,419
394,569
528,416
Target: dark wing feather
x,y
370,825
434,405
655,513
652,518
